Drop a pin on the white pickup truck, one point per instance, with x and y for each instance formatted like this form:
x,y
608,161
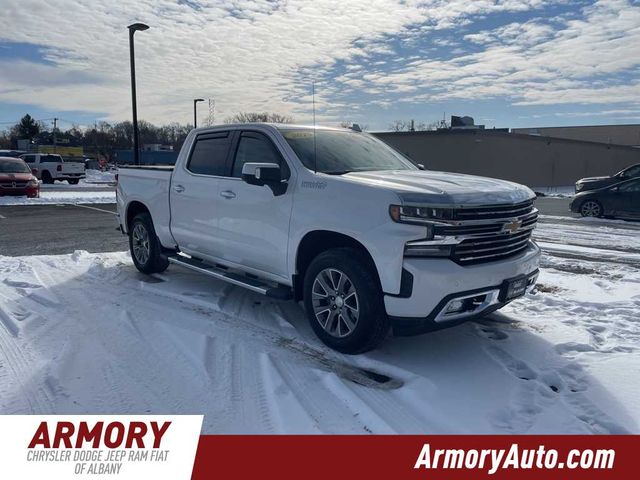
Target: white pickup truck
x,y
338,219
50,167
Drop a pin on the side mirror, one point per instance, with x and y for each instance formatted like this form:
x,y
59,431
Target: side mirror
x,y
268,174
34,171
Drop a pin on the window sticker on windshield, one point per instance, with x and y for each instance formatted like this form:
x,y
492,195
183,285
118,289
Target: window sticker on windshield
x,y
294,135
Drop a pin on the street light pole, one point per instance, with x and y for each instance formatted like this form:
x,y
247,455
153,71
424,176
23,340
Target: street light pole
x,y
136,147
195,112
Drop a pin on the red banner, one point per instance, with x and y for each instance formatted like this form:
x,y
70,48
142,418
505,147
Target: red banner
x,y
418,456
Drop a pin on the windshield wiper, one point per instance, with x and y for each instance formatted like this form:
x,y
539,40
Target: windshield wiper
x,y
338,172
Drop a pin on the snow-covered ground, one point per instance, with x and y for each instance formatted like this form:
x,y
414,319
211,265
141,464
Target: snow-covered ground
x,y
86,333
97,187
59,196
93,179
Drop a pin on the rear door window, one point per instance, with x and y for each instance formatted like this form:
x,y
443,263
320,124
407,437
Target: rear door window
x,y
209,154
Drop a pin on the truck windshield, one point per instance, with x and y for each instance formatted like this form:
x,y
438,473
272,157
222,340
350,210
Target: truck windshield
x,y
337,152
11,166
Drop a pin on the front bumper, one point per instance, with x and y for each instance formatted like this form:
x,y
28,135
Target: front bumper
x,y
30,192
438,282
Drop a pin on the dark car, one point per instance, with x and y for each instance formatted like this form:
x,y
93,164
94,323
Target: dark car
x,y
594,183
621,200
16,178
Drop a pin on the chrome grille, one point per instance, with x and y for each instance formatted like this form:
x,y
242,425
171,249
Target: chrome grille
x,y
11,184
494,211
484,235
491,248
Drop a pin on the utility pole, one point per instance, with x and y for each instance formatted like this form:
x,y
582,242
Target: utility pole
x,y
55,135
195,111
136,27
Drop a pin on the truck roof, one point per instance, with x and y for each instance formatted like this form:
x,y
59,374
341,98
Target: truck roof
x,y
277,126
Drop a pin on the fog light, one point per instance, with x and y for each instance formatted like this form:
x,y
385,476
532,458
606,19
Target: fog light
x,y
455,306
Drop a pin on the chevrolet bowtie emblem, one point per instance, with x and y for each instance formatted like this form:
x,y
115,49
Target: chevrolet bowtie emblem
x,y
512,227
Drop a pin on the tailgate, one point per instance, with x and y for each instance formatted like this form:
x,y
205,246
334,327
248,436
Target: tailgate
x,y
72,167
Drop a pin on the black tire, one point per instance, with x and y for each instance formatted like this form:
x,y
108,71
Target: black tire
x,y
73,181
591,208
372,324
47,178
154,261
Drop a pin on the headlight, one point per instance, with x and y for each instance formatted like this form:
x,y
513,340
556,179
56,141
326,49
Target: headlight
x,y
419,215
579,186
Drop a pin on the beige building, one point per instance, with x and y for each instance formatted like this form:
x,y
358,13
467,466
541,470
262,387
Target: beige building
x,y
612,134
532,160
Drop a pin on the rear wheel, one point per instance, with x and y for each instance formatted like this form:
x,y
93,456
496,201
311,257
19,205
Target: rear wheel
x,y
591,208
46,177
343,301
146,250
73,181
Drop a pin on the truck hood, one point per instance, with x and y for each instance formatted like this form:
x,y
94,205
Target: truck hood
x,y
444,188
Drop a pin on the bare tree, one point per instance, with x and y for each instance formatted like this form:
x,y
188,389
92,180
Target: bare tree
x,y
258,117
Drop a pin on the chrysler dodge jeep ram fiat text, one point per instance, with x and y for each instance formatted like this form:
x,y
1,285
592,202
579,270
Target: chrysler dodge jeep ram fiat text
x,y
338,219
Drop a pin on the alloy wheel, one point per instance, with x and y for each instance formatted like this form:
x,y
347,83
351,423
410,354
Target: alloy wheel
x,y
335,302
141,245
590,208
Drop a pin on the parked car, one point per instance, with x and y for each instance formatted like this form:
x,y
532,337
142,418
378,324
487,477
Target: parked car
x,y
50,167
11,153
621,201
16,178
595,183
337,219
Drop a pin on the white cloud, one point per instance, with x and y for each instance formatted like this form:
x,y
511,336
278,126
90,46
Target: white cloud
x,y
262,55
537,63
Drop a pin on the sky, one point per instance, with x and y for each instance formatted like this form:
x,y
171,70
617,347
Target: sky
x,y
507,63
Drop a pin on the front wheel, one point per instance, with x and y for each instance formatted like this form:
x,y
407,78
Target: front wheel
x,y
47,178
145,247
591,208
344,301
73,181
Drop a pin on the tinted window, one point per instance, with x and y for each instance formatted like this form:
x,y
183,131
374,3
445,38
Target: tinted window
x,y
12,166
633,172
29,158
337,151
631,187
255,148
209,155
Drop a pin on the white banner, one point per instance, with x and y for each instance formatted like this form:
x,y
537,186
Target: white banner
x,y
98,446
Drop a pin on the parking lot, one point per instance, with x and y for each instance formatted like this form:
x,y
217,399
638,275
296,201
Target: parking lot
x,y
84,332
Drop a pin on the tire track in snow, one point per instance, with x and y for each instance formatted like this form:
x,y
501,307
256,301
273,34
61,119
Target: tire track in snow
x,y
540,390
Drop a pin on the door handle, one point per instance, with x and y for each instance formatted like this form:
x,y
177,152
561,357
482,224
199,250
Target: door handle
x,y
227,194
178,188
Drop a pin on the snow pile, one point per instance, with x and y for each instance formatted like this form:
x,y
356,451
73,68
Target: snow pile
x,y
58,196
86,333
99,177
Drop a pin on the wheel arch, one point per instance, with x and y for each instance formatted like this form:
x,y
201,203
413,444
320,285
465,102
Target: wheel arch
x,y
314,243
135,208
